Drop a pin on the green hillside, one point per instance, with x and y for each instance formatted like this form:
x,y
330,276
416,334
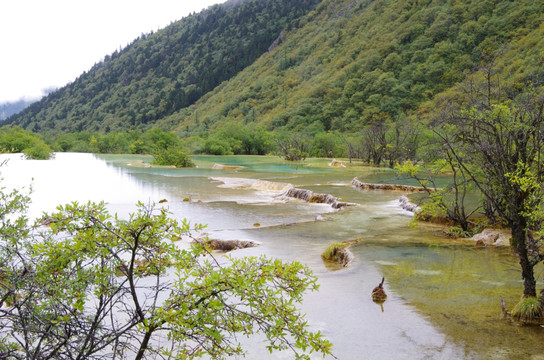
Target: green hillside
x,y
354,63
335,65
163,72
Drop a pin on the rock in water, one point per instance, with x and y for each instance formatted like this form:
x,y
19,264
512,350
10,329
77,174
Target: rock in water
x,y
405,204
311,197
491,237
378,294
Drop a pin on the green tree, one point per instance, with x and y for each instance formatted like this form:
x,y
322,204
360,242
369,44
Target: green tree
x,y
14,139
95,286
173,155
293,147
498,143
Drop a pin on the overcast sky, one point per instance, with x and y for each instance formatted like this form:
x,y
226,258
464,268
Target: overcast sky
x,y
48,43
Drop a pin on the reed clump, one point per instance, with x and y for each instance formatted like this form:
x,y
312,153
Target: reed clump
x,y
529,309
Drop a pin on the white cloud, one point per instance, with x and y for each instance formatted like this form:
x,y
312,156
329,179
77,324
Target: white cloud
x,y
49,43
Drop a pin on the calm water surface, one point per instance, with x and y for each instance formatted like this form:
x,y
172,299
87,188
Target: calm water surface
x,y
443,295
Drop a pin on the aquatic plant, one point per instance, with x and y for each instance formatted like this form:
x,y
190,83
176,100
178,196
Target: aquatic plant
x,y
174,155
458,232
528,309
332,250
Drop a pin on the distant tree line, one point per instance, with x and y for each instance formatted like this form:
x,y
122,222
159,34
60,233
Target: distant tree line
x,y
379,144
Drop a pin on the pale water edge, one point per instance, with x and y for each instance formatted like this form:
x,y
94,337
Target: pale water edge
x,y
443,298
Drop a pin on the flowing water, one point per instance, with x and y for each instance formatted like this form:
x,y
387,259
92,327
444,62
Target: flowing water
x,y
443,295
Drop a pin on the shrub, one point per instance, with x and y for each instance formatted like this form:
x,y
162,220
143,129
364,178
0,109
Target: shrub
x,y
332,250
38,151
528,309
173,155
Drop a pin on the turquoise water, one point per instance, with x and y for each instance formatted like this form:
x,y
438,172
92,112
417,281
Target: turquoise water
x,y
442,294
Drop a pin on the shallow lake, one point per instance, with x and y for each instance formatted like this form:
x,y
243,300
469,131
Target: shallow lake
x,y
443,295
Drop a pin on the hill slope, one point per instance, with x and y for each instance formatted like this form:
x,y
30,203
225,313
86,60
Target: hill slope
x,y
163,72
341,66
358,62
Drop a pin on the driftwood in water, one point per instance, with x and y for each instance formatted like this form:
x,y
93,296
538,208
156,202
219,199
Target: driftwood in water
x,y
311,197
392,187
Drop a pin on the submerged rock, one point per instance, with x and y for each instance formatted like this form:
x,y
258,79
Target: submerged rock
x,y
255,184
392,187
225,167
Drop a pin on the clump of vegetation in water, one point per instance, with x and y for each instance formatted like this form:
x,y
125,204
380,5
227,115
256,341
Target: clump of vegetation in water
x,y
174,155
458,232
338,253
332,250
528,309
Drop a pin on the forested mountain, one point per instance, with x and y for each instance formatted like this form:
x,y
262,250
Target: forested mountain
x,y
354,63
335,65
163,72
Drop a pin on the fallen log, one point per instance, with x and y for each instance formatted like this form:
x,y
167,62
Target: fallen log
x,y
389,187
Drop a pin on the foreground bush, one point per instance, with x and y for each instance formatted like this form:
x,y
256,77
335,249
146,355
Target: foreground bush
x,y
93,286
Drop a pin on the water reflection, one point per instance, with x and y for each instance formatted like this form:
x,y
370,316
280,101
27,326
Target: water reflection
x,y
442,297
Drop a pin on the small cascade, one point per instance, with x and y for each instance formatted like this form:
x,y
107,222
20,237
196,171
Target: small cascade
x,y
391,187
405,204
285,190
311,197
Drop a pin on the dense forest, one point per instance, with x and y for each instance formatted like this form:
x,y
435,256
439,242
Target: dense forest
x,y
430,87
308,66
162,72
355,63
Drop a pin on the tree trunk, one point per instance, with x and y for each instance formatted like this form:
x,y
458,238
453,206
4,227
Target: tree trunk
x,y
145,344
519,237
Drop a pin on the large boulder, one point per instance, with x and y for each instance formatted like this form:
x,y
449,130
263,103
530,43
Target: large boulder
x,y
492,237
